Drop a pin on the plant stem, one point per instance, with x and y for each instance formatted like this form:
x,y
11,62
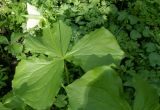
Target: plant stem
x,y
67,74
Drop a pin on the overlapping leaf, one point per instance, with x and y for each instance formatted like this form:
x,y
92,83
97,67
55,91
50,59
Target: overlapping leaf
x,y
98,89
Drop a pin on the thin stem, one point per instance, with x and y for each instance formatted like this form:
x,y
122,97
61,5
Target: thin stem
x,y
67,74
60,38
1,50
6,57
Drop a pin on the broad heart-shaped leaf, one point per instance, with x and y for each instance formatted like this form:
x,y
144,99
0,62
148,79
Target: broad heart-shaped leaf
x,y
146,96
37,81
98,89
100,43
54,42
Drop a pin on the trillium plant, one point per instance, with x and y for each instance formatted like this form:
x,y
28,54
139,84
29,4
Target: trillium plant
x,y
39,77
38,80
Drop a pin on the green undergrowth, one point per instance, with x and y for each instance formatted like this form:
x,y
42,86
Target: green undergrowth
x,y
134,23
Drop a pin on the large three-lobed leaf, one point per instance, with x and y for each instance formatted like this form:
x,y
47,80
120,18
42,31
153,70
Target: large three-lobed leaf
x,y
38,80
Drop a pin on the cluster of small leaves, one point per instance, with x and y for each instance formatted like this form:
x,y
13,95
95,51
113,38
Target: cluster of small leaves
x,y
86,16
3,76
11,15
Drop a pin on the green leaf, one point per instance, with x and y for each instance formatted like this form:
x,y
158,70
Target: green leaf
x,y
58,38
146,96
146,32
3,108
13,102
3,40
54,42
15,37
133,19
15,48
100,43
135,35
61,101
122,16
150,47
154,59
92,61
37,81
37,45
94,2
98,89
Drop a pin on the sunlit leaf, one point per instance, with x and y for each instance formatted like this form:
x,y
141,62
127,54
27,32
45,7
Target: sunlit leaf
x,y
37,81
54,41
100,43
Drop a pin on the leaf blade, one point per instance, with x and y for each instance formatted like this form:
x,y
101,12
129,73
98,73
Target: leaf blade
x,y
3,40
146,96
38,86
54,42
98,89
3,108
99,43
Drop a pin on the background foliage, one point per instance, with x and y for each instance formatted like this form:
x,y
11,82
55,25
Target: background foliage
x,y
135,24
